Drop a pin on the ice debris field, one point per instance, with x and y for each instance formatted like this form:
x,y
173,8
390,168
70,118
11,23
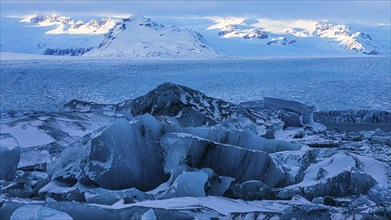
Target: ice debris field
x,y
176,153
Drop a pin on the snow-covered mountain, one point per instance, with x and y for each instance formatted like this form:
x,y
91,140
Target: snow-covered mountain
x,y
292,33
141,37
136,36
67,25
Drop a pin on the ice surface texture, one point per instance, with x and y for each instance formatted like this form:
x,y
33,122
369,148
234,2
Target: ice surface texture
x,y
146,158
127,147
326,83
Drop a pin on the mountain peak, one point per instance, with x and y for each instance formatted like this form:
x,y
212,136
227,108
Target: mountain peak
x,y
67,25
298,32
138,36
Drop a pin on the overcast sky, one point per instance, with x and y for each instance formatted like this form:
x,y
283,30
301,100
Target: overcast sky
x,y
342,11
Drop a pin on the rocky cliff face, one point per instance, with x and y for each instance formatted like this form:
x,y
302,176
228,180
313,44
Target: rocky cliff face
x,y
66,52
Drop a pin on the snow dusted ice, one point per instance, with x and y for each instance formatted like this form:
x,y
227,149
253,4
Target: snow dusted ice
x,y
176,153
208,118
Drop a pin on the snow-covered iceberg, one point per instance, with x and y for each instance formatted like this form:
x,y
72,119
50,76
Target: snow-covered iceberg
x,y
294,113
124,155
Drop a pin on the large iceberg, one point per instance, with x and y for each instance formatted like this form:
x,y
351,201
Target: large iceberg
x,y
124,155
193,108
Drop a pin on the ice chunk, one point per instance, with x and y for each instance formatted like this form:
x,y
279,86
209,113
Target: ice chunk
x,y
43,137
150,215
36,212
244,139
193,108
50,200
303,209
361,201
7,140
240,124
217,185
294,163
298,112
228,160
109,197
187,184
124,155
61,191
93,212
347,161
342,174
9,160
379,194
318,200
252,190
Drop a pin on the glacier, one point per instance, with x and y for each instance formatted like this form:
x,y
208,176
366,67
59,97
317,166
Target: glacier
x,y
313,81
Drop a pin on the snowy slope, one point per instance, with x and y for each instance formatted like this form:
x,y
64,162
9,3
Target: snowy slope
x,y
67,25
21,37
55,34
297,33
141,37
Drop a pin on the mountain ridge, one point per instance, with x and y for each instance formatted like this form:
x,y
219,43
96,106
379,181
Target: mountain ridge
x,y
216,37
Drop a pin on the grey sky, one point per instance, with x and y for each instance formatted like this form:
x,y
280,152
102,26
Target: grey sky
x,y
344,11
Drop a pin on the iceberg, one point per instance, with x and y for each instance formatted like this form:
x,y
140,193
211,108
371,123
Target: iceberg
x,y
341,175
124,155
228,160
187,184
252,190
294,113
